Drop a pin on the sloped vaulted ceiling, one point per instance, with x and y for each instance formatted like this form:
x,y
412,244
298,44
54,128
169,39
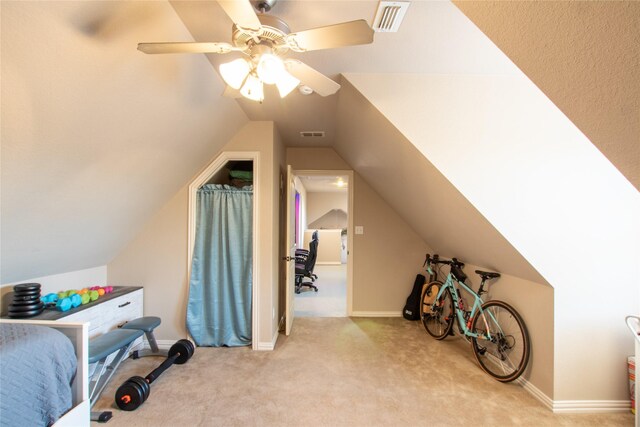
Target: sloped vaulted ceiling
x,y
585,56
96,136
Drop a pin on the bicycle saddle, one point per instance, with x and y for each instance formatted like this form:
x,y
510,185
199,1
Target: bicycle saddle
x,y
487,274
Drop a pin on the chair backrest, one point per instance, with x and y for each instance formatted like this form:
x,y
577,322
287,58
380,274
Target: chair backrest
x,y
313,254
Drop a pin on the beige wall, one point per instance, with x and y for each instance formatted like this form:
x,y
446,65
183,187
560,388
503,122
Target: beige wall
x,y
329,246
548,191
319,204
534,302
387,257
107,133
157,257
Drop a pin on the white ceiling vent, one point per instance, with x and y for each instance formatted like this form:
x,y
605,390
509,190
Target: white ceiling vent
x,y
312,134
389,16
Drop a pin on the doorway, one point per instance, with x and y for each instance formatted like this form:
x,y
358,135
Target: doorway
x,y
323,208
218,172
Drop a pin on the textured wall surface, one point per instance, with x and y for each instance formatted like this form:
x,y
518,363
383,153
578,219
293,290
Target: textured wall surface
x,y
585,56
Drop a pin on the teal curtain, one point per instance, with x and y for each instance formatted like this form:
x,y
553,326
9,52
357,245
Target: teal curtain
x,y
219,306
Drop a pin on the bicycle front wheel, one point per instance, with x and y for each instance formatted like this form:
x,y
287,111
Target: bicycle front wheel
x,y
438,319
505,354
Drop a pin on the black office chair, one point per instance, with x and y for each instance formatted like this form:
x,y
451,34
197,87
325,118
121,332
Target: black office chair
x,y
305,262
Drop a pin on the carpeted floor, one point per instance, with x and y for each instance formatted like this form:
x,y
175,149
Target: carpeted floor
x,y
337,372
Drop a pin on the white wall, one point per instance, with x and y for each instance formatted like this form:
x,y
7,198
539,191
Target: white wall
x,y
549,191
302,224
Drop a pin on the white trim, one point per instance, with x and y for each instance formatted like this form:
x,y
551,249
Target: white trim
x,y
535,392
575,406
200,180
328,262
590,406
350,215
269,346
376,314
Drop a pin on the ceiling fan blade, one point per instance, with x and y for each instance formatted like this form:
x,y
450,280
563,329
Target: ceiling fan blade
x,y
241,13
185,47
338,35
317,81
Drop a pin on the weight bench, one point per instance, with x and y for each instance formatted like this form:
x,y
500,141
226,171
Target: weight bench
x,y
146,324
100,348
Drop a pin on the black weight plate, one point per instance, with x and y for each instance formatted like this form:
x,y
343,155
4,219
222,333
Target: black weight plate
x,y
129,396
31,307
192,348
27,287
20,314
26,293
183,349
144,385
26,298
26,302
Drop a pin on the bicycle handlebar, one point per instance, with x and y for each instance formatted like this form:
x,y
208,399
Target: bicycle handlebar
x,y
436,260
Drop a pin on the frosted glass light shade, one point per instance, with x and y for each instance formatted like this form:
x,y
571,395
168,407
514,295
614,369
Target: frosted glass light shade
x,y
235,72
286,83
252,89
269,68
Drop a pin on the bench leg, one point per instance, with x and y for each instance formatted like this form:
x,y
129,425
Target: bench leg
x,y
103,373
153,351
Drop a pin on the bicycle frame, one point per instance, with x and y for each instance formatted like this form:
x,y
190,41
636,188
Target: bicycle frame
x,y
465,325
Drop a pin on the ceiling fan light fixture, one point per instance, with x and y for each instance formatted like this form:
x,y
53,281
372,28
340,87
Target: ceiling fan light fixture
x,y
234,73
286,83
270,68
252,88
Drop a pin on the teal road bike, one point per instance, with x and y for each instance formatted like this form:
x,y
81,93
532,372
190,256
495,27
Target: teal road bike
x,y
495,330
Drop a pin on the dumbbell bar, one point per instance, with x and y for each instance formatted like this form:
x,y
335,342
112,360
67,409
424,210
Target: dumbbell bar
x,y
135,391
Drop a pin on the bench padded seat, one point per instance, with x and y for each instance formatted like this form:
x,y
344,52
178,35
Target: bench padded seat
x,y
147,323
102,346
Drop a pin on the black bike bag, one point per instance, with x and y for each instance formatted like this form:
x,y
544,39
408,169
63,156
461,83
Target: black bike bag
x,y
458,273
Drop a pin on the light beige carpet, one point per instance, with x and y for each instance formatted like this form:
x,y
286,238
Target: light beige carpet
x,y
337,372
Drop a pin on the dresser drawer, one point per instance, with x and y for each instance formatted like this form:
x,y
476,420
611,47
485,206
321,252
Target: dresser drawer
x,y
120,310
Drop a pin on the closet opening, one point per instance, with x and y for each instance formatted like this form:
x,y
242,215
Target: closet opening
x,y
222,283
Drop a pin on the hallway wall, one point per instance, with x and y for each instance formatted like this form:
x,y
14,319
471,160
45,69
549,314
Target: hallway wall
x,y
387,257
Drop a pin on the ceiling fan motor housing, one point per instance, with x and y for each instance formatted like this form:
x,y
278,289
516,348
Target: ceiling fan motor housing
x,y
272,33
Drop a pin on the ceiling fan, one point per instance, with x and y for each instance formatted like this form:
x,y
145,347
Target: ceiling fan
x,y
265,39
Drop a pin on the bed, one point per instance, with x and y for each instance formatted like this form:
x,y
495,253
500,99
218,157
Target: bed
x,y
26,378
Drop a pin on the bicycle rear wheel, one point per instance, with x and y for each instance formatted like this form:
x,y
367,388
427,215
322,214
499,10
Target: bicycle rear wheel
x,y
506,355
439,320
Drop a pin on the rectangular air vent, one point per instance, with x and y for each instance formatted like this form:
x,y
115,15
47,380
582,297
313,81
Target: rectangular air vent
x,y
389,16
312,134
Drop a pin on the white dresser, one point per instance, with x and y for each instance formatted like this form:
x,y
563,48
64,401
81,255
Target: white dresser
x,y
110,313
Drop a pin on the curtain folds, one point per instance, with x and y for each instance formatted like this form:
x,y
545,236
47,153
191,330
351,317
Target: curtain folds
x,y
220,287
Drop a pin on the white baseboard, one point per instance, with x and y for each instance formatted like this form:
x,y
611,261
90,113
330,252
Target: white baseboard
x,y
376,314
269,346
575,406
535,392
591,406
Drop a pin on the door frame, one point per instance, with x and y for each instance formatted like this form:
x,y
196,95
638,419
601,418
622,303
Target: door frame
x,y
350,191
214,167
